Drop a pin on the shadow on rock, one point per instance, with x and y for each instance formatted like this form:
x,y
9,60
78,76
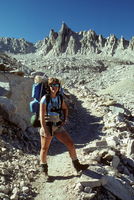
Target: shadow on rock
x,y
60,178
92,174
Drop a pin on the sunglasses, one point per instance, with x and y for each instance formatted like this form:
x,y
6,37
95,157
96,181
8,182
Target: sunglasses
x,y
55,85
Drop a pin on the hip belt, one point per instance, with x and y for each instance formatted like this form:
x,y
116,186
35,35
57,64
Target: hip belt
x,y
53,123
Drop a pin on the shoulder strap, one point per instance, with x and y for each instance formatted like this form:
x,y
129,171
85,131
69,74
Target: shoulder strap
x,y
61,98
41,91
47,102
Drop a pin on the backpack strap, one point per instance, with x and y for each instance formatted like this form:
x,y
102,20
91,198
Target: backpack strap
x,y
48,100
41,91
61,99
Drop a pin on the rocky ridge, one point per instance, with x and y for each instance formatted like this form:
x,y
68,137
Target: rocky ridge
x,y
69,43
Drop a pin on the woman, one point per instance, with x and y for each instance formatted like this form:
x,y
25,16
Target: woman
x,y
52,125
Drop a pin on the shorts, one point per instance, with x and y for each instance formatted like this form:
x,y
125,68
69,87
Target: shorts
x,y
53,130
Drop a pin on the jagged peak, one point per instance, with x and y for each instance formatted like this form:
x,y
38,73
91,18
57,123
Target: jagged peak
x,y
21,39
112,36
91,33
100,36
64,28
132,39
122,39
51,32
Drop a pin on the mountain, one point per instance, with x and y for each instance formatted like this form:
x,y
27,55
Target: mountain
x,y
15,46
68,42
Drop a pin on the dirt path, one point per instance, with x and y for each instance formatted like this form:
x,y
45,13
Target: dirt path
x,y
62,177
83,128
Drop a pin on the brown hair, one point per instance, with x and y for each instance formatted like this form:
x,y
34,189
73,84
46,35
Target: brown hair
x,y
53,80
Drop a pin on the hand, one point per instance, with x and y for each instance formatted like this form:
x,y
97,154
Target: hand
x,y
64,122
46,131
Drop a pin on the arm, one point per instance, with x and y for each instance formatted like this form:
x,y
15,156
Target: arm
x,y
42,118
65,110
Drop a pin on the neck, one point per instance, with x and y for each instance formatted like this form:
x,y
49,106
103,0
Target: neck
x,y
53,95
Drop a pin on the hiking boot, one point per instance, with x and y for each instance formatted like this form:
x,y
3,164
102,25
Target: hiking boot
x,y
79,166
44,168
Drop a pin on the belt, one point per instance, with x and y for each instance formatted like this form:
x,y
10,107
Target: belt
x,y
53,123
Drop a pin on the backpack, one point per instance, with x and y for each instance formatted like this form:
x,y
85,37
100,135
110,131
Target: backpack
x,y
38,91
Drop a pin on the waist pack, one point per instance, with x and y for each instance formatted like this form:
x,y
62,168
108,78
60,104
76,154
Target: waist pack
x,y
53,123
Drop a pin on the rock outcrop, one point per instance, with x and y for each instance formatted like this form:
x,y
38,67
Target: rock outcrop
x,y
10,64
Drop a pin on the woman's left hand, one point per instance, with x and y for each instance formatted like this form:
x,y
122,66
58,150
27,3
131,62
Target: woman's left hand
x,y
64,122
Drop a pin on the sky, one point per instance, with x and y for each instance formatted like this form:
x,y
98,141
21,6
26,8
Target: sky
x,y
33,19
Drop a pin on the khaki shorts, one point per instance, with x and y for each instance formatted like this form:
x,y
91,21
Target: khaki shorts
x,y
54,130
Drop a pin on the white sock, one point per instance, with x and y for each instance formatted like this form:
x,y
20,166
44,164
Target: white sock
x,y
43,163
73,159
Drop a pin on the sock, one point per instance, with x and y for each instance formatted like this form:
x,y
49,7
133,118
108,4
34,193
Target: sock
x,y
73,159
43,163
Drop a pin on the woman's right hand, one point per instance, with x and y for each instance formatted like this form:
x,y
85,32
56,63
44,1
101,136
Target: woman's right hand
x,y
46,131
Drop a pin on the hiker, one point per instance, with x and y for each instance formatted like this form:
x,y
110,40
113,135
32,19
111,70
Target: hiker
x,y
51,125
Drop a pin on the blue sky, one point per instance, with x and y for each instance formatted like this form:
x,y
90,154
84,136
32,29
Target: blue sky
x,y
33,19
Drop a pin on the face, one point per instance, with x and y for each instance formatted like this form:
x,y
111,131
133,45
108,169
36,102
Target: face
x,y
54,87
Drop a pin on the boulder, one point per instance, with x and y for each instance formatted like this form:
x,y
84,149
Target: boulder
x,y
118,188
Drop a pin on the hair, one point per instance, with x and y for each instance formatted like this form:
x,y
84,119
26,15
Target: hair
x,y
53,80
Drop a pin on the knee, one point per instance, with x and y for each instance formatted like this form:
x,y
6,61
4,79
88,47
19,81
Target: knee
x,y
70,145
44,148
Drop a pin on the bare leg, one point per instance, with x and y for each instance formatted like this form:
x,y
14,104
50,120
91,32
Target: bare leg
x,y
65,138
45,143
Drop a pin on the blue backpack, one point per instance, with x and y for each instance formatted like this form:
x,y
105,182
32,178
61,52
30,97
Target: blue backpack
x,y
38,91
